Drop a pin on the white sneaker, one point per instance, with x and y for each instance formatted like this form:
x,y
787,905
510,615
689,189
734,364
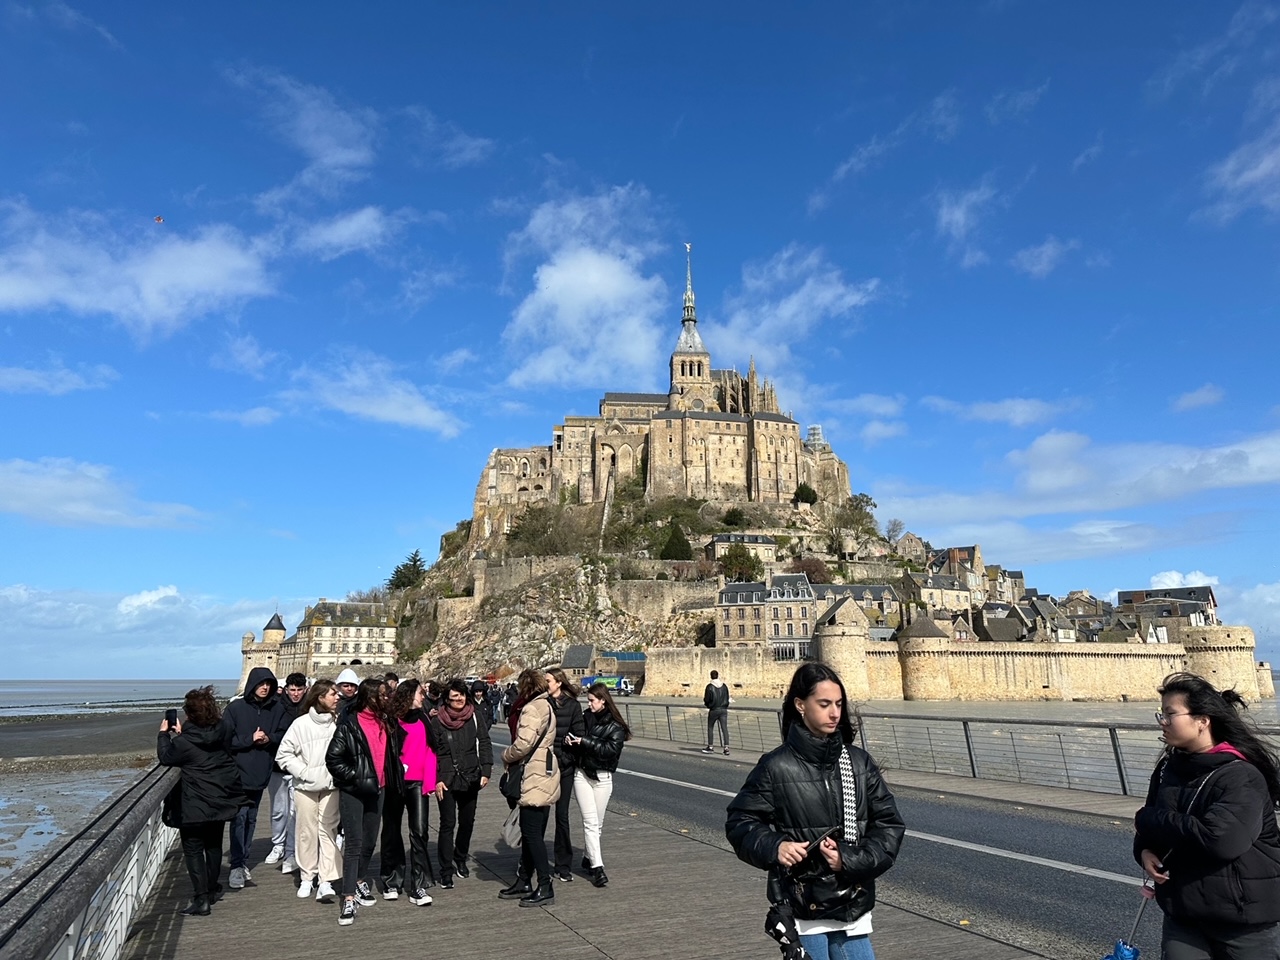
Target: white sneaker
x,y
304,889
237,878
420,899
325,892
288,865
391,893
247,875
276,854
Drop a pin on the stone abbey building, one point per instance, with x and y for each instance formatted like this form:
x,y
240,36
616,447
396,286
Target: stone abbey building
x,y
715,435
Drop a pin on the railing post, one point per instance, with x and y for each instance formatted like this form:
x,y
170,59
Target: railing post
x,y
671,731
968,745
1115,749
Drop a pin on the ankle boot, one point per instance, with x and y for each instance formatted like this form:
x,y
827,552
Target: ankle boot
x,y
199,908
597,876
544,895
519,889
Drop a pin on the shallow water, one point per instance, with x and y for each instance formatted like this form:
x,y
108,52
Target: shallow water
x,y
28,697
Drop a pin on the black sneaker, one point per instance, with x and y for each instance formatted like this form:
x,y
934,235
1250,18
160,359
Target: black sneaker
x,y
364,894
460,868
347,916
446,882
586,864
707,750
563,875
420,898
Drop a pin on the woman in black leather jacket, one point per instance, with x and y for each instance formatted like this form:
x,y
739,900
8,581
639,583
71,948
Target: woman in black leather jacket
x,y
1207,835
817,815
363,755
596,751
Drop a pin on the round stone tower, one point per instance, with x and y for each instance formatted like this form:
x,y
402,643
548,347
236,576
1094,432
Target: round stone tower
x,y
842,634
1266,682
1222,654
924,650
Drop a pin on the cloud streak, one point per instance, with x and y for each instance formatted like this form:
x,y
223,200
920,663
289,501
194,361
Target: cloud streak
x,y
1014,411
68,493
1042,259
55,380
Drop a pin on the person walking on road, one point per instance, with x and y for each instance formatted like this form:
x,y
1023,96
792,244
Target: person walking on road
x,y
256,723
418,760
280,789
716,699
1206,836
362,758
539,789
816,813
464,763
569,722
209,788
302,754
597,752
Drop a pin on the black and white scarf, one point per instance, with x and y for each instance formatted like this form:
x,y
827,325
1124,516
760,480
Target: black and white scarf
x,y
849,787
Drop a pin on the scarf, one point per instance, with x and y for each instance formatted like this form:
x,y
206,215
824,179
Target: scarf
x,y
849,787
452,720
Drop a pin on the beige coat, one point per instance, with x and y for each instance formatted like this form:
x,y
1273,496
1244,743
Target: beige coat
x,y
537,789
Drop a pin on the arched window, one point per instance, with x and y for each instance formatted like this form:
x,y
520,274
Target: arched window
x,y
699,368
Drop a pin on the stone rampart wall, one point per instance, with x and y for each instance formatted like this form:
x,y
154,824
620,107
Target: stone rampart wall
x,y
658,599
515,572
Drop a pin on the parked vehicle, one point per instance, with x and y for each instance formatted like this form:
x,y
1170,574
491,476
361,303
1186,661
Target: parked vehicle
x,y
618,686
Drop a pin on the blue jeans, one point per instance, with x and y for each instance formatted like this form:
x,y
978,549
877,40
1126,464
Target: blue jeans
x,y
837,946
242,829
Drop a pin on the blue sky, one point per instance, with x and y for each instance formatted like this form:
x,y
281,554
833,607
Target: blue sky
x,y
1018,258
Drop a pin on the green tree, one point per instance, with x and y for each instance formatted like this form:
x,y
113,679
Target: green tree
x,y
408,574
740,564
677,546
734,517
853,521
805,494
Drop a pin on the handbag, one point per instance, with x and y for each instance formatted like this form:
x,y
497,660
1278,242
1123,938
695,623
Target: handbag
x,y
509,785
511,828
171,810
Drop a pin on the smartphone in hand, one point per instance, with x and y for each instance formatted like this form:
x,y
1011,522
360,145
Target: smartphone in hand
x,y
171,716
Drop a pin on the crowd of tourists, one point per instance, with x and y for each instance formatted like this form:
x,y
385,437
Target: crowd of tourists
x,y
347,767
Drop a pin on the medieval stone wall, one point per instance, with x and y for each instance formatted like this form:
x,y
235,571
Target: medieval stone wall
x,y
659,599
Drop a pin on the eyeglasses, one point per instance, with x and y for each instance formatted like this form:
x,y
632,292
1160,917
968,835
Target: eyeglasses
x,y
1165,719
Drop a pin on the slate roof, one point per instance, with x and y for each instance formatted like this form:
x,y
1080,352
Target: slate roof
x,y
881,633
999,630
829,615
796,581
690,341
635,398
743,538
879,591
1202,593
755,593
349,613
275,623
938,581
578,656
922,628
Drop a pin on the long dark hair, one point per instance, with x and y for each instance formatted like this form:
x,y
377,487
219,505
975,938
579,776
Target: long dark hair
x,y
601,692
369,696
402,698
567,687
803,682
1222,708
312,699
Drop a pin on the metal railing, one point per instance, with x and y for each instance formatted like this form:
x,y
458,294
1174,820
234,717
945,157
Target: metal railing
x,y
77,901
1078,755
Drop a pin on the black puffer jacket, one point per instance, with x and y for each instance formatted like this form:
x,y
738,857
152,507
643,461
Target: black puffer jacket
x,y
794,793
210,780
350,760
568,720
601,745
464,755
1222,852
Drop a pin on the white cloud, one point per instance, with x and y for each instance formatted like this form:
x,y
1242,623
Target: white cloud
x,y
959,215
67,493
1219,56
1258,606
368,387
368,228
593,315
870,404
877,430
337,140
244,354
1205,396
1248,177
1014,104
1168,579
1041,260
136,603
1088,154
253,417
1062,472
55,379
780,305
152,283
67,18
152,632
448,145
454,359
1015,411
422,282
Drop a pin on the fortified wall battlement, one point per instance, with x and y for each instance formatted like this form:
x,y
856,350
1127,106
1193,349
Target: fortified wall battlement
x,y
939,669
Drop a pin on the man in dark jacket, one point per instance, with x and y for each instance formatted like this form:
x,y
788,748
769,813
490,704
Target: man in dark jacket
x,y
716,699
255,724
280,787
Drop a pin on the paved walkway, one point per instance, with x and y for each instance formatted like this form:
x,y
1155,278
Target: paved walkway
x,y
669,896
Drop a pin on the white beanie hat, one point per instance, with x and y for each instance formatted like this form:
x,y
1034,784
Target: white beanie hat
x,y
348,676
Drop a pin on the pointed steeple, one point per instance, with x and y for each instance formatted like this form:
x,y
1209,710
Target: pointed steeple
x,y
690,341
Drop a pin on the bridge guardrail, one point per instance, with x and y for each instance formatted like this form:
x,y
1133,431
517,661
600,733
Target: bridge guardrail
x,y
1079,755
77,900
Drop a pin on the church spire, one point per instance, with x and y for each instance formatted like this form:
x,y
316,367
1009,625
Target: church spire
x,y
690,314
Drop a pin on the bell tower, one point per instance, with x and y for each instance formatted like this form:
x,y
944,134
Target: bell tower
x,y
691,387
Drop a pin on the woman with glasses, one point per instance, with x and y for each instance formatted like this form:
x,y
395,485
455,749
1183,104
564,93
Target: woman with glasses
x,y
816,813
302,755
1206,836
464,763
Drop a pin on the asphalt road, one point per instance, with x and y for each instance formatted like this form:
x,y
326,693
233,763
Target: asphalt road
x,y
1052,911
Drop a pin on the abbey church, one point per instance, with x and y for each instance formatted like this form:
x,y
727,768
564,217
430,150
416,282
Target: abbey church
x,y
715,435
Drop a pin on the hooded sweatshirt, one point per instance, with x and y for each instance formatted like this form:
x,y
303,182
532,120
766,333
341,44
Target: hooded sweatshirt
x,y
244,717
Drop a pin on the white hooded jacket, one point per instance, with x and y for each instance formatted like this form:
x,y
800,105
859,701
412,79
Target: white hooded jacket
x,y
303,749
